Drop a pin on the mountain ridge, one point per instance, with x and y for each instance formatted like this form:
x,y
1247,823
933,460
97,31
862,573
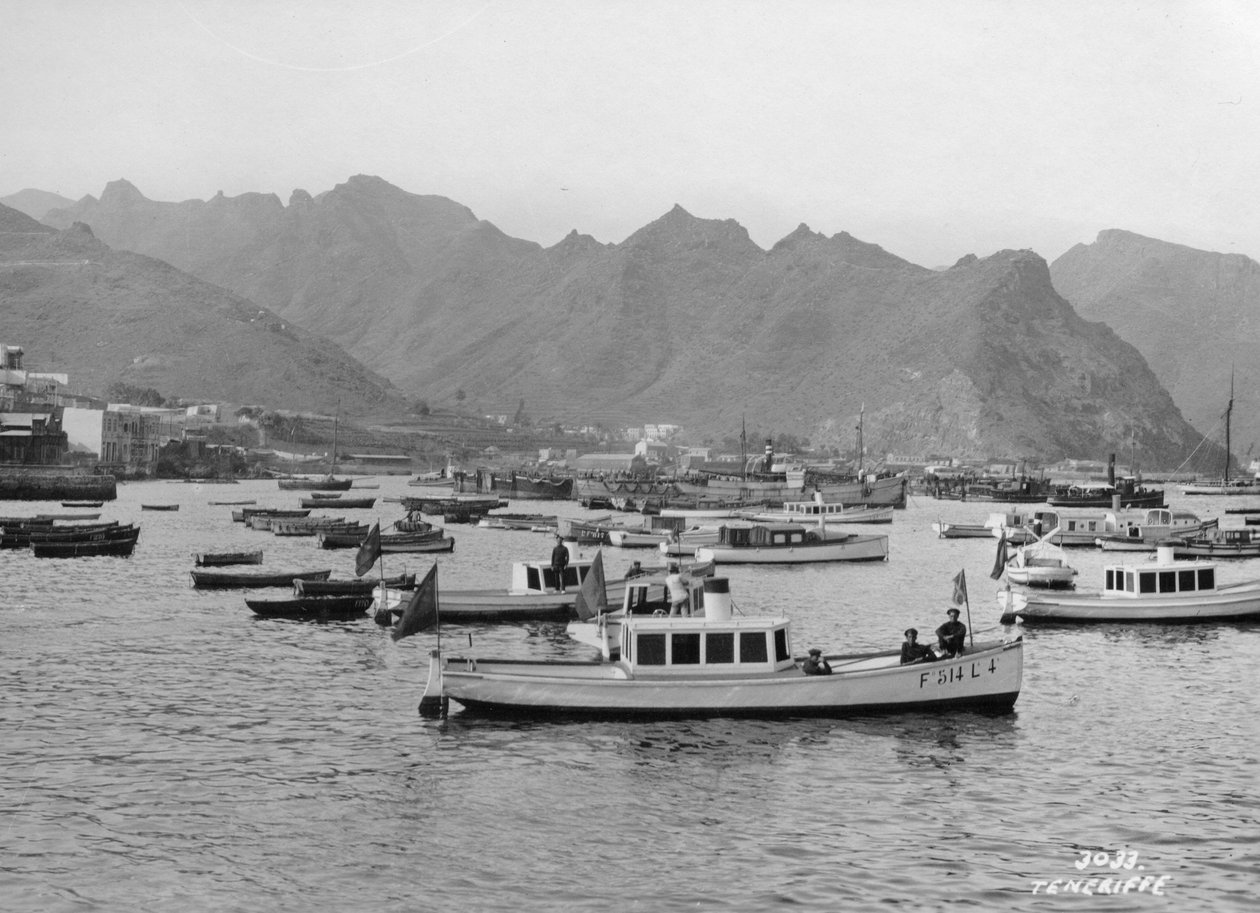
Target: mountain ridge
x,y
687,321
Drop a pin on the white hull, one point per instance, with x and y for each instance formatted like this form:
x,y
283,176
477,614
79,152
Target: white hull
x,y
854,548
988,678
1227,603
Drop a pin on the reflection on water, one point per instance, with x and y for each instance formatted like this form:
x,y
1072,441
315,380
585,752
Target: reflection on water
x,y
164,749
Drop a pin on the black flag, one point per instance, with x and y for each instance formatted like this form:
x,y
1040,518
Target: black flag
x,y
592,598
999,563
422,610
369,551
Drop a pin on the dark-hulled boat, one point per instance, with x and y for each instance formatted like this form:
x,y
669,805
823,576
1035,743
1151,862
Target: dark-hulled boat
x,y
243,580
322,608
358,587
221,559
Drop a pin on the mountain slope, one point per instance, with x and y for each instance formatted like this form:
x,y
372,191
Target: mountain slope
x,y
100,316
1191,313
686,321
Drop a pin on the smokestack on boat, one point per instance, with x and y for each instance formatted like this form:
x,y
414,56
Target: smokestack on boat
x,y
717,598
1164,551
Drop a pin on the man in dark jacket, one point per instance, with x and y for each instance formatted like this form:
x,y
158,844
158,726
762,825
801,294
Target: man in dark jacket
x,y
951,635
816,665
559,561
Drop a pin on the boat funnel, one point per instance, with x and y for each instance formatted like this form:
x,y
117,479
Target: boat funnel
x,y
1164,551
717,598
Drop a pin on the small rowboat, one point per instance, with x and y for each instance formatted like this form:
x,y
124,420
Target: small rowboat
x,y
219,559
82,503
233,580
159,507
321,608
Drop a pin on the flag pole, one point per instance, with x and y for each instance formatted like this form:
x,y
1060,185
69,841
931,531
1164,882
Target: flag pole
x,y
971,638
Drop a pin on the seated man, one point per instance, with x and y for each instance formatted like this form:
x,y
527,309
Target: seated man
x,y
816,665
914,652
951,635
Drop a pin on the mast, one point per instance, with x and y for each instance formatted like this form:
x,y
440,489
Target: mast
x,y
860,448
332,463
743,447
1228,411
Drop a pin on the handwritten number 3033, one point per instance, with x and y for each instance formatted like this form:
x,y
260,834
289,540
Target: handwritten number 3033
x,y
1124,859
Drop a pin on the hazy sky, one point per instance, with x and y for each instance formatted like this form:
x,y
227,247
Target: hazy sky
x,y
932,128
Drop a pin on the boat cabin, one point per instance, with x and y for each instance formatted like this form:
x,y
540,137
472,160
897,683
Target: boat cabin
x,y
538,577
1136,581
813,510
766,535
704,645
1161,519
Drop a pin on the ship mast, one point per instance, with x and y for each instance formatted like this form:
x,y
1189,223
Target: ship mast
x,y
861,450
1228,411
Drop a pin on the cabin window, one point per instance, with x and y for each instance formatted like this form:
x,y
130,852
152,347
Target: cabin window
x,y
781,644
651,649
531,579
1128,581
1146,583
752,648
1168,581
686,650
1207,578
719,648
1185,581
1111,583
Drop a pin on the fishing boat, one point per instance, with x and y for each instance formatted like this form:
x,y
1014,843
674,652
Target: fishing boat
x,y
321,608
1225,485
223,559
244,580
85,549
1219,543
1163,590
329,482
790,543
82,503
159,507
720,664
439,543
338,503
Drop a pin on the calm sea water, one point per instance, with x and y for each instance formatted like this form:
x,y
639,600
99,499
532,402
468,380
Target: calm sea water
x,y
164,750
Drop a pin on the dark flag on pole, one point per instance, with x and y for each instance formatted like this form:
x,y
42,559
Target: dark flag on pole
x,y
422,610
369,551
960,588
999,563
592,598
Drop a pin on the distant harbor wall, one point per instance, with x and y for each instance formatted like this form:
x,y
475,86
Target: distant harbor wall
x,y
22,483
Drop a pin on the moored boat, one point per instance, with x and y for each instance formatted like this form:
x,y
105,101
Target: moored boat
x,y
1159,523
322,608
719,664
223,559
790,543
1040,564
1164,590
1219,543
233,580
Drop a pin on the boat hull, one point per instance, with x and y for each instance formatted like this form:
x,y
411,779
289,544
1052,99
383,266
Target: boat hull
x,y
1228,603
988,678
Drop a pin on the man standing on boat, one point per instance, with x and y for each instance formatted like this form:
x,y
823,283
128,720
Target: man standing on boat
x,y
951,635
677,589
559,561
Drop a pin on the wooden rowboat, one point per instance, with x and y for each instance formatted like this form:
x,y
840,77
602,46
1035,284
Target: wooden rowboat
x,y
233,580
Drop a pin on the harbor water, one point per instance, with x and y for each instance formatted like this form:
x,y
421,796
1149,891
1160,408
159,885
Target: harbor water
x,y
165,750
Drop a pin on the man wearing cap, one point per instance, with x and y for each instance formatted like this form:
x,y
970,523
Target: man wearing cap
x,y
559,561
950,636
816,665
914,652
